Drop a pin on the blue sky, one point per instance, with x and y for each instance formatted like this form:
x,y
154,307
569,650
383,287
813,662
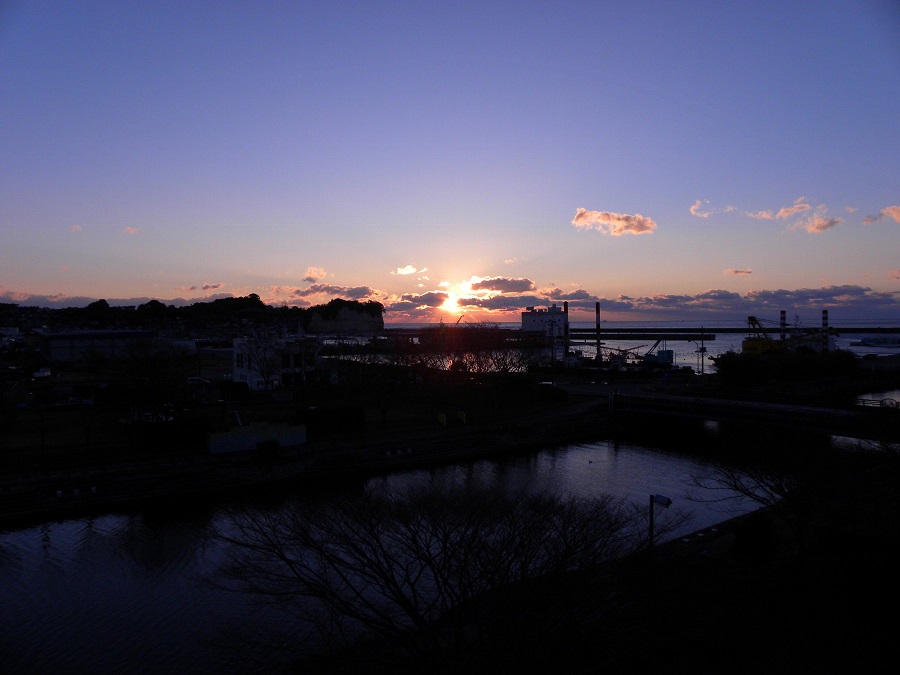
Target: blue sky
x,y
670,160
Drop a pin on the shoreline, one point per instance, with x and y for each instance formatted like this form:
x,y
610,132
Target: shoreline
x,y
31,498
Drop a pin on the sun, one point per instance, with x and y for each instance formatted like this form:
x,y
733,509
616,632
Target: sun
x,y
454,291
450,304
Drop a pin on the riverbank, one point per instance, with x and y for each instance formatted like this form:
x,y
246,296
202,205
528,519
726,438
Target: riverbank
x,y
740,597
550,414
166,482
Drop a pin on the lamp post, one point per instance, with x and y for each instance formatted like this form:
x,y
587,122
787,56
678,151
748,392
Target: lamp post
x,y
701,353
663,501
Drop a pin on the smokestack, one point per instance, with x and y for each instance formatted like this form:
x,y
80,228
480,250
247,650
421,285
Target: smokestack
x,y
824,330
566,328
597,327
783,324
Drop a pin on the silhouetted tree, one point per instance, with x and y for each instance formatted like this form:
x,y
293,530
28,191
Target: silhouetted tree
x,y
265,358
787,475
435,575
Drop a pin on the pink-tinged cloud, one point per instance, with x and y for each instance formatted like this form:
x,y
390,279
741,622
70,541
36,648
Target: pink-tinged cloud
x,y
75,228
615,224
696,210
894,275
409,269
504,285
735,272
314,274
798,207
818,223
760,215
892,212
130,230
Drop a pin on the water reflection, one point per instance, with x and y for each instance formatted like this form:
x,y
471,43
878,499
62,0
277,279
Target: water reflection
x,y
628,472
124,592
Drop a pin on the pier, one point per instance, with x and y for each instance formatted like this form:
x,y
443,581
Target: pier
x,y
595,335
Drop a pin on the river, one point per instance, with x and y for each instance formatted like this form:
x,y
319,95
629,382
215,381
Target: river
x,y
123,592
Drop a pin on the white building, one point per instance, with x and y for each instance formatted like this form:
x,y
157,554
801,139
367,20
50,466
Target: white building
x,y
552,322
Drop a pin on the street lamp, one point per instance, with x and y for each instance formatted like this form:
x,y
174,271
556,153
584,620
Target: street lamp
x,y
700,352
663,501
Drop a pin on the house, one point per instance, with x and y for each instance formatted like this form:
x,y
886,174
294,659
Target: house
x,y
266,363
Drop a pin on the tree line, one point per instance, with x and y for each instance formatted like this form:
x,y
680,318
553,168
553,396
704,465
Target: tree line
x,y
249,309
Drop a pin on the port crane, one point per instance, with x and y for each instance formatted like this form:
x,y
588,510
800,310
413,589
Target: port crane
x,y
756,329
759,341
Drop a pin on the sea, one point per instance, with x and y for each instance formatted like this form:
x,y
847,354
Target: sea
x,y
699,355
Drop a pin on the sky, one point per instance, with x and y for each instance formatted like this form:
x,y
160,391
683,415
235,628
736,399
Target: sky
x,y
455,160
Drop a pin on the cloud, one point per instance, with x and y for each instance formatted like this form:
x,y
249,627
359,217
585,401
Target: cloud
x,y
430,299
695,210
504,285
817,224
892,212
852,302
346,292
714,303
737,272
75,228
130,230
824,298
409,269
502,303
513,261
759,215
314,274
615,224
206,287
894,275
800,205
571,296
